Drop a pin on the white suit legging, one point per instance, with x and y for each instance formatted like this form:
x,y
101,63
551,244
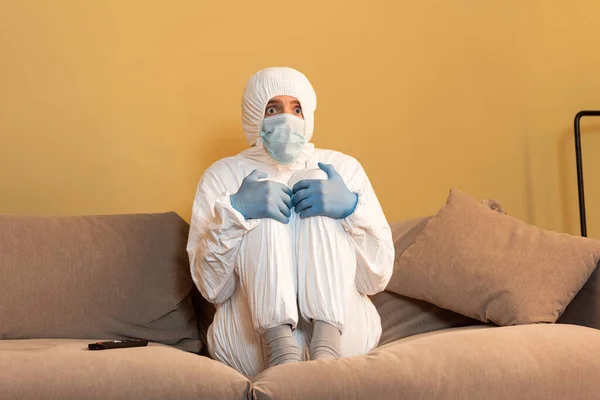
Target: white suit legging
x,y
262,273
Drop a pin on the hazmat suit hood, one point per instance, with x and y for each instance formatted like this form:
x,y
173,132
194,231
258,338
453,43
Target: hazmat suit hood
x,y
271,82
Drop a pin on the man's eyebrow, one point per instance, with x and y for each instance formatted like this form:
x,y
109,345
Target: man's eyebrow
x,y
274,101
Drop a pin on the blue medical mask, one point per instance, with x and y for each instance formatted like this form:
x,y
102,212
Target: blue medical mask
x,y
283,137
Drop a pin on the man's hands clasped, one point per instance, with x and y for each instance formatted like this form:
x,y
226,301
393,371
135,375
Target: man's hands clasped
x,y
263,199
309,198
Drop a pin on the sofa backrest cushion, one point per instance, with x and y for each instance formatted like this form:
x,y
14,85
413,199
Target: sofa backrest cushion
x,y
584,309
403,317
100,277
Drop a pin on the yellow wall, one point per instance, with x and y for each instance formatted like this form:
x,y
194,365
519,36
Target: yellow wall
x,y
117,106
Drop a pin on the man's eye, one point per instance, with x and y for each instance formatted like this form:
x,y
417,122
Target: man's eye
x,y
298,110
271,110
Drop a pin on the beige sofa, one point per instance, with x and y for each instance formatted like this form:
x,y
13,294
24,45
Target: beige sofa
x,y
69,281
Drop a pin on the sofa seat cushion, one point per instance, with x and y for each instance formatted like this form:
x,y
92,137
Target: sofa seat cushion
x,y
541,361
64,369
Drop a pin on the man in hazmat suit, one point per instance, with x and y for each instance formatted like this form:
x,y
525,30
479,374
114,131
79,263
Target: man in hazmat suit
x,y
287,240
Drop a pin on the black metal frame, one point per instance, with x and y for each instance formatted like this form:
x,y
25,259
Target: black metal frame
x,y
578,117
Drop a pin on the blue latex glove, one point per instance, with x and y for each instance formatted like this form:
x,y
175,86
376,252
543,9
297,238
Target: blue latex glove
x,y
329,198
263,199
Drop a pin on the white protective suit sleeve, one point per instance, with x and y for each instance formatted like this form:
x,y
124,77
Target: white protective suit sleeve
x,y
216,231
370,233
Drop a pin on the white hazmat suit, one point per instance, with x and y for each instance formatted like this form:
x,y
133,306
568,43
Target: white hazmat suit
x,y
261,273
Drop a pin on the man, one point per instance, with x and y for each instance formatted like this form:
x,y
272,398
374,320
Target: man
x,y
287,240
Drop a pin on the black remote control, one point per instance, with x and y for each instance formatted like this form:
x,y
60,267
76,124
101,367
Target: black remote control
x,y
117,344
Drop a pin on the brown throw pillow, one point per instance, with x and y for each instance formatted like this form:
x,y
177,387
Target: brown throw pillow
x,y
493,267
402,316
